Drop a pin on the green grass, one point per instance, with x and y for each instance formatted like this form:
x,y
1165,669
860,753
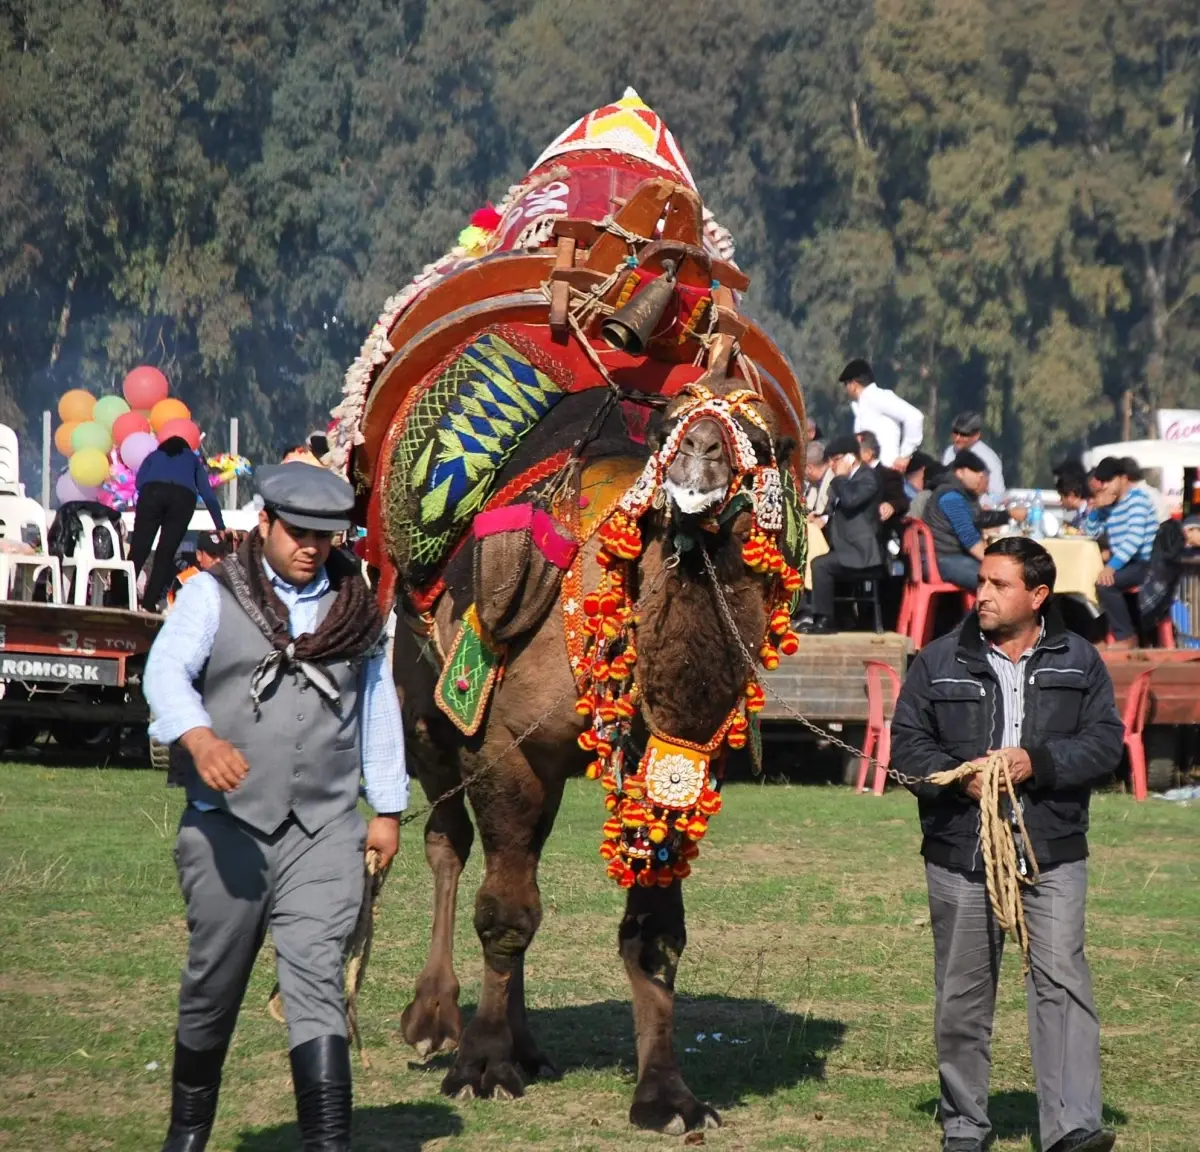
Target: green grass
x,y
809,943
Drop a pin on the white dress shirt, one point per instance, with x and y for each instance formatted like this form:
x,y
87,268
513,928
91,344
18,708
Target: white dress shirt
x,y
988,455
896,423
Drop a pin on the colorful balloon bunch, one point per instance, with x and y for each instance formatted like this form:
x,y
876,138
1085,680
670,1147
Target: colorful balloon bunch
x,y
105,440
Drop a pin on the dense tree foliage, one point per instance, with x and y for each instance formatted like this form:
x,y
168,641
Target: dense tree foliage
x,y
994,200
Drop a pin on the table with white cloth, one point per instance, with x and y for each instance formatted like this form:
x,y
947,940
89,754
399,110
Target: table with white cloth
x,y
1078,562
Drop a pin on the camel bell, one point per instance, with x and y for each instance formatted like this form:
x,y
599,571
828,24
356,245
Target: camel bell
x,y
633,325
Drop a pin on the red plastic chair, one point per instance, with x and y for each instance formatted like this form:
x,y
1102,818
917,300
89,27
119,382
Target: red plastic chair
x,y
916,617
878,742
1137,708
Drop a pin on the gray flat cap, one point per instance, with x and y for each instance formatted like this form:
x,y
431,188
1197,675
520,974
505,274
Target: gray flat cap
x,y
306,496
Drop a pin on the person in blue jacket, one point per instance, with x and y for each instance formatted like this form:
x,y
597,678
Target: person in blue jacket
x,y
168,483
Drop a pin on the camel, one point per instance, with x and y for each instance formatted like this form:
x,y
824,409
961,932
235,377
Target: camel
x,y
585,386
692,674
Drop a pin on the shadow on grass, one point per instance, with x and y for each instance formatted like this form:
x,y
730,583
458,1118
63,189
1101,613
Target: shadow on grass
x,y
393,1128
728,1048
1015,1115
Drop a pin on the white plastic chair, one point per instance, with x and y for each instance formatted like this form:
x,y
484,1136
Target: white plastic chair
x,y
20,515
10,463
84,566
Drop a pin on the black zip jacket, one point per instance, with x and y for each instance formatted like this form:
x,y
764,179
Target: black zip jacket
x,y
949,712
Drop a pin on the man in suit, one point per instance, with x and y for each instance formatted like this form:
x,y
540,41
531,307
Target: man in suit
x,y
852,528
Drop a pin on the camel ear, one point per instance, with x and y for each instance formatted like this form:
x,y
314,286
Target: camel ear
x,y
785,446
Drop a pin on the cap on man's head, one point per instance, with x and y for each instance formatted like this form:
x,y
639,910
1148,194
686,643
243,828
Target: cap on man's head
x,y
858,370
212,544
816,453
969,461
967,424
841,446
306,497
1108,469
1192,521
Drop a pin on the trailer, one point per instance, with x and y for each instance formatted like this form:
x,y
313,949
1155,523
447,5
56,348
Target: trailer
x,y
74,674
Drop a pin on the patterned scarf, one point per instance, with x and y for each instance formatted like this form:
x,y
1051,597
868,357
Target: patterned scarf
x,y
352,629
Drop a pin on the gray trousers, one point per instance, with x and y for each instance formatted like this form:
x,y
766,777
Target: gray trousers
x,y
1064,1030
238,883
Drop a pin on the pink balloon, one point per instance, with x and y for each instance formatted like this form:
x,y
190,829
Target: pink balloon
x,y
144,387
188,429
127,424
67,490
137,446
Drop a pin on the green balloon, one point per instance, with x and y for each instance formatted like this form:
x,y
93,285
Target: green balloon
x,y
91,435
107,409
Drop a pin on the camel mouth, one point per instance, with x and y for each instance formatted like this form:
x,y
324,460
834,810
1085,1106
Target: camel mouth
x,y
690,501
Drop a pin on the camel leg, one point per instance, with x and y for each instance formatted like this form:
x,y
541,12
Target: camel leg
x,y
497,1052
652,938
432,1022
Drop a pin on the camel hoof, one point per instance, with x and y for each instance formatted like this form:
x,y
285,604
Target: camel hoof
x,y
664,1103
466,1092
502,1093
431,1026
424,1048
484,1080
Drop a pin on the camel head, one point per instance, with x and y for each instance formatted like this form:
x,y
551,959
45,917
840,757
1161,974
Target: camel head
x,y
711,439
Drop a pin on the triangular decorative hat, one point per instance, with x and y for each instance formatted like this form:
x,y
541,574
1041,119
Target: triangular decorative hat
x,y
628,127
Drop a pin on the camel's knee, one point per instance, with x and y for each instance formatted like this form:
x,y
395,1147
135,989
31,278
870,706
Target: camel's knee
x,y
507,924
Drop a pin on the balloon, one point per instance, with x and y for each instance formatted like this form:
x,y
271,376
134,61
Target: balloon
x,y
166,410
76,405
108,408
185,428
89,467
127,424
67,490
62,436
91,435
144,387
135,449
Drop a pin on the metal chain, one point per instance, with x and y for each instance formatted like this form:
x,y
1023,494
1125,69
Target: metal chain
x,y
901,778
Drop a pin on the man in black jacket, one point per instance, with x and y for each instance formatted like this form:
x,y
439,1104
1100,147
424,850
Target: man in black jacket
x,y
1012,678
852,527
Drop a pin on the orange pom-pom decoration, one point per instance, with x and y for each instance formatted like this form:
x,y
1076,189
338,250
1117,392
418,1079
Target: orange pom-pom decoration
x,y
710,802
736,740
626,878
658,831
646,878
769,655
789,644
681,869
632,815
600,670
665,877
591,604
792,580
607,711
612,828
608,781
625,707
594,769
610,801
635,787
689,851
697,826
780,621
585,705
618,669
608,849
589,741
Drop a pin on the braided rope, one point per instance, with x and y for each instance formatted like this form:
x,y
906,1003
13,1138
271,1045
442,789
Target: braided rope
x,y
1002,868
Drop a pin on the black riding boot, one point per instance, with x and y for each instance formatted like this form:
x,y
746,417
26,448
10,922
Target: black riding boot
x,y
195,1083
321,1074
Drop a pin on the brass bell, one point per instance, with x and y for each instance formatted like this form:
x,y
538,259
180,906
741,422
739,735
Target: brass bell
x,y
632,326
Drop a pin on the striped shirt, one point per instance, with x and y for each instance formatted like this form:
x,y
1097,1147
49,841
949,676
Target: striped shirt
x,y
1010,676
1130,526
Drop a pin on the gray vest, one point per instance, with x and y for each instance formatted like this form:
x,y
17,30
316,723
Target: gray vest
x,y
945,539
304,755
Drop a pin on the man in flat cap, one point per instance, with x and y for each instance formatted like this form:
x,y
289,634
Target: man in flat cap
x,y
270,680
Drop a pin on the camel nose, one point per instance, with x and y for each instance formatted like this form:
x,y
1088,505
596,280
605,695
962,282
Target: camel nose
x,y
703,440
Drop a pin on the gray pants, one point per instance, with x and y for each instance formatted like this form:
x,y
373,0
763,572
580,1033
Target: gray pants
x,y
238,883
1064,1030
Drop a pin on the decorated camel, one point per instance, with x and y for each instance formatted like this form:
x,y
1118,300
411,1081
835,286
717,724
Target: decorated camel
x,y
572,452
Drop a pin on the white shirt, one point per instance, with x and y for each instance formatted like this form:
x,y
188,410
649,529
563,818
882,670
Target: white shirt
x,y
988,456
896,423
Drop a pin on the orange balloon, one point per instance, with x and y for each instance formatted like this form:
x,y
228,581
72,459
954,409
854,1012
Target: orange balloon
x,y
76,406
167,410
62,436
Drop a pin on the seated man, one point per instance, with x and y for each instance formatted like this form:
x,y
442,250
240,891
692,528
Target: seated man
x,y
1072,486
894,505
817,478
1136,476
852,528
1124,517
953,516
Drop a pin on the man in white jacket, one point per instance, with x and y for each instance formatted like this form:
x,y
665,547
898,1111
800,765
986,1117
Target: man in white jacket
x,y
896,423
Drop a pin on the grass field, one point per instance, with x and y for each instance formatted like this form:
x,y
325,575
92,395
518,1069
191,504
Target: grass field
x,y
805,992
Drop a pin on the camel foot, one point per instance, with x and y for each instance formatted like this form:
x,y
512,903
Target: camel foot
x,y
529,1057
432,1023
486,1066
664,1103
